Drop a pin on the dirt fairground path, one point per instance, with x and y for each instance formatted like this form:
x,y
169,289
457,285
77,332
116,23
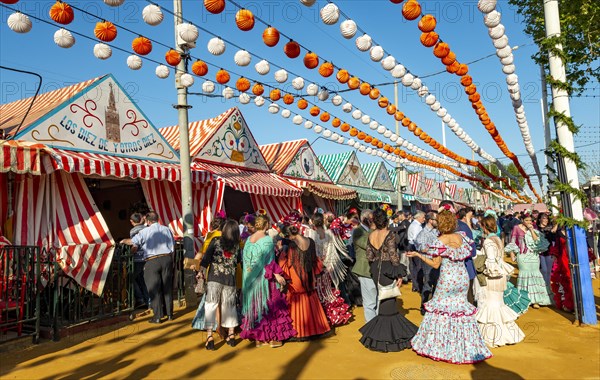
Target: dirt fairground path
x,y
553,349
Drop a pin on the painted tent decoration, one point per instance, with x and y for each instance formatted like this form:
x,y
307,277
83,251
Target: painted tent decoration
x,y
460,195
452,190
442,190
344,169
407,193
224,140
414,180
427,189
377,176
96,116
295,159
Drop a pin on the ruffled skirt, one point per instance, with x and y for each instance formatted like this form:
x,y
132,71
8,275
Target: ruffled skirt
x,y
531,279
335,308
389,331
496,320
308,317
516,299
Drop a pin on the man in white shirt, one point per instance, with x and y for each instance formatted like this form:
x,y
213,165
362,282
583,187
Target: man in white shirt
x,y
413,231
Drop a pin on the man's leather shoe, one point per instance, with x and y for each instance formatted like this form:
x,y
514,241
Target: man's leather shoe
x,y
154,320
170,318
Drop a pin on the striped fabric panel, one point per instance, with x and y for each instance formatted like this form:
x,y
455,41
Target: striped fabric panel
x,y
325,190
370,171
279,155
207,201
22,157
334,164
415,182
199,132
277,207
442,187
393,177
452,190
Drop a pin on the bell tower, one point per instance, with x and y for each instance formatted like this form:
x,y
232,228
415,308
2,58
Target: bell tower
x,y
111,118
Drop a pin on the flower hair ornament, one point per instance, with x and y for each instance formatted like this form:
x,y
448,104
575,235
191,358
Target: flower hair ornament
x,y
293,219
447,207
261,211
221,214
341,229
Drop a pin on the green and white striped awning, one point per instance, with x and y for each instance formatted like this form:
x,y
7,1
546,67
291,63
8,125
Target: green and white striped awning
x,y
394,198
370,195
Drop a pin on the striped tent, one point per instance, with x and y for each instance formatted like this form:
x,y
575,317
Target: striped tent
x,y
225,146
377,177
407,195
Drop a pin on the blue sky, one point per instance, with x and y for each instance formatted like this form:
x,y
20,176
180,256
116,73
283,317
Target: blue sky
x,y
459,23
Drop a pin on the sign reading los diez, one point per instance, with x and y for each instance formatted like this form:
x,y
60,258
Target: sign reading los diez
x,y
102,120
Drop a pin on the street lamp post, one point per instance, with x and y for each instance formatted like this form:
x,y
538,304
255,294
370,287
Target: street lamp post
x,y
399,168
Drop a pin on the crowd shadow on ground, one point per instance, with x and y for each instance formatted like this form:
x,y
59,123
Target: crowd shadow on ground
x,y
484,371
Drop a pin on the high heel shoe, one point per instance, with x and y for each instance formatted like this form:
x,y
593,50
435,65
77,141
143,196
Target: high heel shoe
x,y
210,343
230,340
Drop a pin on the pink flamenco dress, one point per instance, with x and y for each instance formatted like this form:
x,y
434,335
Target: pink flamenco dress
x,y
265,310
449,330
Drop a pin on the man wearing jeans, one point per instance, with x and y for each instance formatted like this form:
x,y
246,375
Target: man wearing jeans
x,y
139,285
360,238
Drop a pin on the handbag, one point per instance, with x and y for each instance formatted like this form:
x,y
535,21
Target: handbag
x,y
200,287
386,291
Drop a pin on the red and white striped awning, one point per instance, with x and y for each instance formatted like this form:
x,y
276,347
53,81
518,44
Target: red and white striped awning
x,y
325,190
24,157
248,181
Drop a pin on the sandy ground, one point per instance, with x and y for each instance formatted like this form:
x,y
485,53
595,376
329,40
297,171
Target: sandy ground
x,y
553,349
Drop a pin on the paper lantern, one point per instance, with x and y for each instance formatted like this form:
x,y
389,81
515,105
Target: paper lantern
x,y
330,14
337,100
242,84
411,10
398,71
496,32
435,106
273,108
216,46
187,32
353,83
399,116
134,62
270,36
429,39
449,59
102,51
173,57
512,79
342,76
297,120
200,68
441,50
259,101
364,42
453,68
105,31
374,93
152,15
427,23
245,98
311,60
162,71
416,84
390,109
141,45
286,113
275,94
336,122
463,69
383,102
422,90
62,13
325,117
222,76
208,87
228,93
314,110
364,88
186,80
345,127
288,98
114,3
242,58
356,114
292,49
381,129
430,99
504,52
244,19
302,104
258,89
507,60
318,129
323,95
64,38
298,83
281,75
388,63
347,107
348,29
307,3
308,124
326,69
508,69
486,6
492,19
262,67
408,79
214,6
312,89
367,139
466,80
376,53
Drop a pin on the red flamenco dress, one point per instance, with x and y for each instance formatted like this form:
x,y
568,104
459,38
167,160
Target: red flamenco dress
x,y
560,277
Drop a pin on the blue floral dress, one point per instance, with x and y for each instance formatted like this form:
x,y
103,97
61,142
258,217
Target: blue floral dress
x,y
449,329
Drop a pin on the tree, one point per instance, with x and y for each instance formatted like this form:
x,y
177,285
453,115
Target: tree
x,y
511,168
590,170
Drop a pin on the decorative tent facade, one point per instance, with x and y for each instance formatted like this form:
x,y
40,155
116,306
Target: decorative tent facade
x,y
407,194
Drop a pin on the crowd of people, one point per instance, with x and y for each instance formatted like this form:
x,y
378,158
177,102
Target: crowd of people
x,y
298,279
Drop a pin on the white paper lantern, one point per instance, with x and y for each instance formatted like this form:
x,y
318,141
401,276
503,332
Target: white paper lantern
x,y
350,142
361,148
340,140
387,134
508,60
379,153
259,101
435,106
134,62
208,87
496,32
520,109
512,79
416,84
216,46
186,80
486,6
330,14
162,71
334,136
297,119
517,103
492,19
188,32
337,100
508,69
308,3
102,51
501,42
516,97
405,143
308,124
318,129
262,67
64,38
376,53
430,99
364,42
373,125
423,91
152,15
298,83
369,150
312,89
462,135
381,129
19,22
327,133
514,88
394,137
442,112
286,113
244,98
388,63
347,107
504,52
452,123
242,58
446,118
273,108
357,114
408,79
348,29
114,3
365,119
227,93
281,75
323,95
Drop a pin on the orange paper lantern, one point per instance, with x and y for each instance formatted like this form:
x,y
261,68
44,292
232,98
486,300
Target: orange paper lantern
x,y
353,83
380,145
427,23
417,132
353,132
105,31
365,88
342,76
374,94
200,68
325,117
470,89
449,59
453,68
326,69
398,116
361,136
429,39
141,45
288,98
383,102
292,49
258,89
463,69
311,60
405,122
368,139
275,94
412,126
441,50
242,84
314,110
411,10
270,36
346,127
244,19
474,98
391,109
173,58
222,76
397,151
466,80
302,104
62,13
214,6
336,122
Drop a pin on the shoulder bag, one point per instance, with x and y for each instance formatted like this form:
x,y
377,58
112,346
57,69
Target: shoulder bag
x,y
386,291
